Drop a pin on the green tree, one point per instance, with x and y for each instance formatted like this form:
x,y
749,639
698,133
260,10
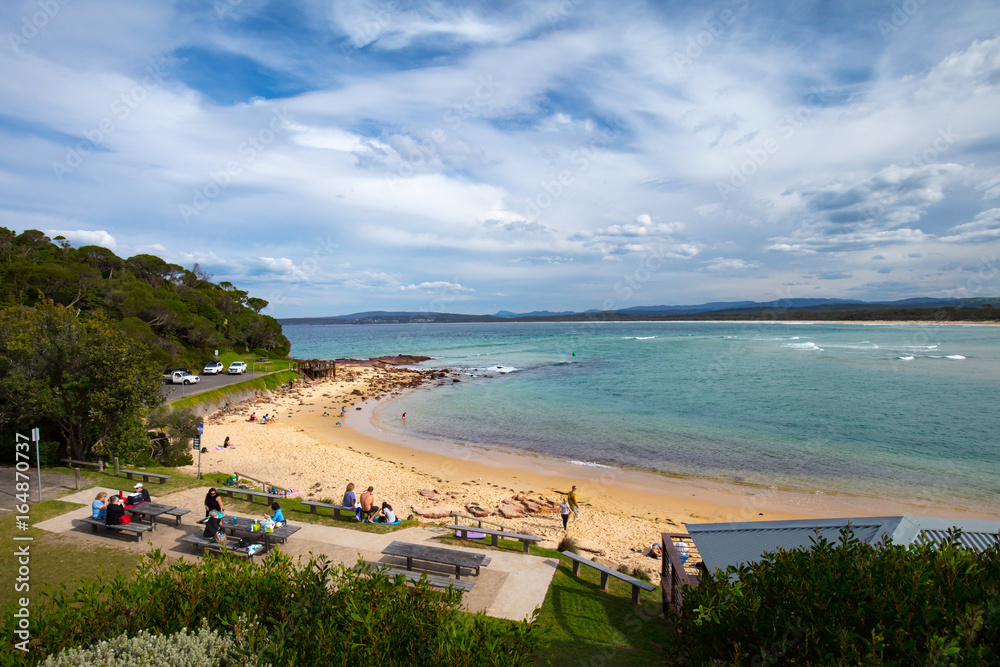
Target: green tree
x,y
82,381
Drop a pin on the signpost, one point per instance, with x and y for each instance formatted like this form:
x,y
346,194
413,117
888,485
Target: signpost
x,y
38,461
197,445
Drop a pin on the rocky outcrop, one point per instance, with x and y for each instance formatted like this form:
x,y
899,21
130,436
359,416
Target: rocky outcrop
x,y
436,512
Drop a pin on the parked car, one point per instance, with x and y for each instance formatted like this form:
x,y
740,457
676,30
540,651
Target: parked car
x,y
168,375
183,377
213,368
237,368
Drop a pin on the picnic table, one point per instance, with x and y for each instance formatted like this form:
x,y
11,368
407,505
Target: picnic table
x,y
242,527
149,511
136,529
431,554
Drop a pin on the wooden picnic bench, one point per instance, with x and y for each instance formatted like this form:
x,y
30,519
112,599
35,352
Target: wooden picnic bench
x,y
435,580
431,554
337,509
606,572
146,476
149,511
137,528
201,543
177,513
249,493
526,540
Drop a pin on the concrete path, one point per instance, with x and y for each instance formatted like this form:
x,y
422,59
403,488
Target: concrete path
x,y
512,586
54,484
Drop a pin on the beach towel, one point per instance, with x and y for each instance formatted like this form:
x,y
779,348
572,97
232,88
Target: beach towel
x,y
471,536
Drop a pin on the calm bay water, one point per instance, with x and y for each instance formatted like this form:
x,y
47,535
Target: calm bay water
x,y
905,411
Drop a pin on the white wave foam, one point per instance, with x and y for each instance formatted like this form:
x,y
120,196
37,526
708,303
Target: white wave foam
x,y
909,358
591,464
804,346
954,356
637,337
502,369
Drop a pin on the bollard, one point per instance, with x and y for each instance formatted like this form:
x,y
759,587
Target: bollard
x,y
77,471
117,470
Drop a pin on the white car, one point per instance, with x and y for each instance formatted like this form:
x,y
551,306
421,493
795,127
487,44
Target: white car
x,y
237,368
183,377
213,368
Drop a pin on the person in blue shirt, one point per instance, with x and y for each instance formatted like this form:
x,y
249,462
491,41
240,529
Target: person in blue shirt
x,y
100,505
278,516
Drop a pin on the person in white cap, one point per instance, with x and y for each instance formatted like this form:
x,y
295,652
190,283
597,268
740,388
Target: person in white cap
x,y
140,491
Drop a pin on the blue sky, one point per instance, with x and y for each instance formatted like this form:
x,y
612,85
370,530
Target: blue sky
x,y
470,157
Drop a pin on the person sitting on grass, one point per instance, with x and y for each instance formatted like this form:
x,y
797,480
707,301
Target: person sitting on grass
x,y
278,517
100,505
388,516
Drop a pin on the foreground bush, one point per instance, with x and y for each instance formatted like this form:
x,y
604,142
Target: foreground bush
x,y
849,603
280,613
204,648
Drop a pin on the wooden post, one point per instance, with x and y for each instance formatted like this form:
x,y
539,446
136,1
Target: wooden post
x,y
117,469
77,470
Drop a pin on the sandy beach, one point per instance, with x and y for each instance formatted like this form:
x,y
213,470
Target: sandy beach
x,y
622,512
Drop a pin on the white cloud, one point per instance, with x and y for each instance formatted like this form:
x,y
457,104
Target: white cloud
x,y
438,286
723,264
82,237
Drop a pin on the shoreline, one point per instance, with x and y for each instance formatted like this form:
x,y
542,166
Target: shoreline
x,y
621,510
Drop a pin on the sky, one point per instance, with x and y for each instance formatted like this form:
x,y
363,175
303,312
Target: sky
x,y
336,157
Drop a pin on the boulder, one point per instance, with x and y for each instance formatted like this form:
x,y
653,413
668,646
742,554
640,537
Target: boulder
x,y
509,511
476,510
436,512
531,506
589,546
427,493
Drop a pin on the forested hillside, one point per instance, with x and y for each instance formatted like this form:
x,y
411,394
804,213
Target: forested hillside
x,y
179,314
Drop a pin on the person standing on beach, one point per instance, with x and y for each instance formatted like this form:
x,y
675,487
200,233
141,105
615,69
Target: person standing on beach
x,y
571,499
564,511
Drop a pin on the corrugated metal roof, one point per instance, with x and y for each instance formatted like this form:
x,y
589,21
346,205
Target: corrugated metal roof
x,y
725,544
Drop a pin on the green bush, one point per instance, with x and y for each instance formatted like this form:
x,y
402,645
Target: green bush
x,y
281,613
568,544
204,648
848,603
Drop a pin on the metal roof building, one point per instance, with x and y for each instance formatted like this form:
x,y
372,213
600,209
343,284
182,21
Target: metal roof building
x,y
724,544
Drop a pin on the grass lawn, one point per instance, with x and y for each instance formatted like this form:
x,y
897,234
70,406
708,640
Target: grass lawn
x,y
585,625
55,559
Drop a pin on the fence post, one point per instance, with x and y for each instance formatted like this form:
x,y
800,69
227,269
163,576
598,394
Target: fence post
x,y
77,471
117,470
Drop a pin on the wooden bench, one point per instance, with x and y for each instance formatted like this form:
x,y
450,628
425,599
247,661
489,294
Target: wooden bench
x,y
458,559
250,494
201,543
337,509
177,513
146,476
607,571
435,580
526,540
133,527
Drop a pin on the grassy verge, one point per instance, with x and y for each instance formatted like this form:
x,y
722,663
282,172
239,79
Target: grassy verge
x,y
585,625
267,382
55,561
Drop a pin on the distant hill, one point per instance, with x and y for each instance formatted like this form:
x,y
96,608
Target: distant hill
x,y
534,313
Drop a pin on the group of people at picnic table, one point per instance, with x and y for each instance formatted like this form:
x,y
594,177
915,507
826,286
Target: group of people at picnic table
x,y
214,514
366,509
112,509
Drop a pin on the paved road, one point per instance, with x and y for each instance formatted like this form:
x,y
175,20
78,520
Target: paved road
x,y
172,392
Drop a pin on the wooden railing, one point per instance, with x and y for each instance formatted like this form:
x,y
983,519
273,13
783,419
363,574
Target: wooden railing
x,y
673,576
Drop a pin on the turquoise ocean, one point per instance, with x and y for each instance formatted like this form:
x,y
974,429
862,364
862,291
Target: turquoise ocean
x,y
902,411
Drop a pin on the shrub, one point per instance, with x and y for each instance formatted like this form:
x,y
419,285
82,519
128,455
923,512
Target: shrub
x,y
282,613
568,544
204,648
849,603
640,574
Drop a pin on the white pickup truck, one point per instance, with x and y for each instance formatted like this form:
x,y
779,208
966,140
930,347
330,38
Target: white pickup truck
x,y
183,377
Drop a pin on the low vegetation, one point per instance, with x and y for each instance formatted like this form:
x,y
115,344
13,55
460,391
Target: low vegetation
x,y
848,603
280,613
